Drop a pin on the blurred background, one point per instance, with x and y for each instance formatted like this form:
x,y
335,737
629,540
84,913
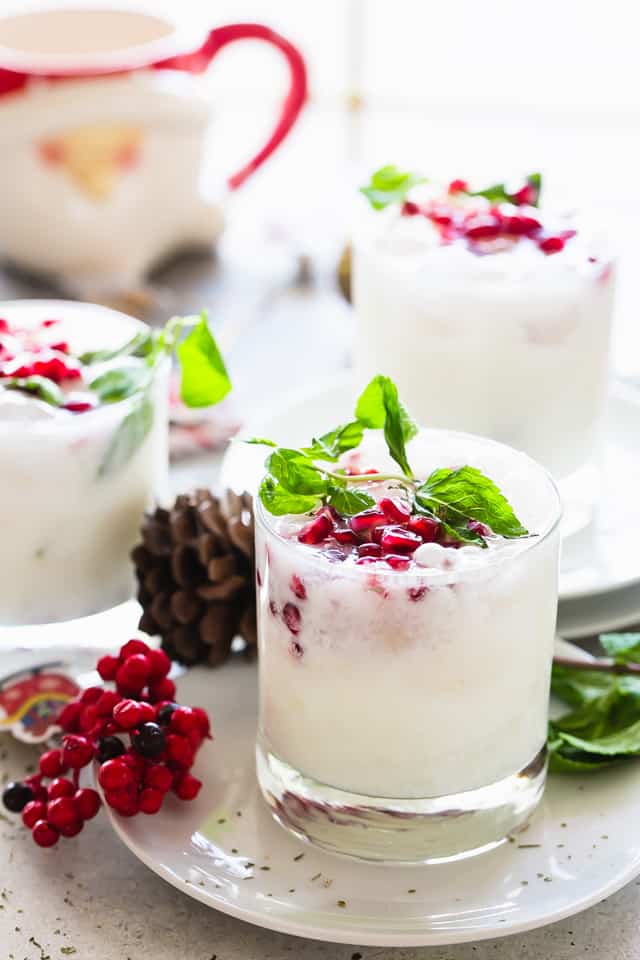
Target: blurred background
x,y
476,90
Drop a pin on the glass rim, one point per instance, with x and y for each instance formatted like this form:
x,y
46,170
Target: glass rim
x,y
100,412
437,575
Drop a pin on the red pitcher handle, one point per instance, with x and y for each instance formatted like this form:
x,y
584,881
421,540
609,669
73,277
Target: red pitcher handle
x,y
200,59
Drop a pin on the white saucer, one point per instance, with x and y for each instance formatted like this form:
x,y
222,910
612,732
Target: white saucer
x,y
225,850
602,558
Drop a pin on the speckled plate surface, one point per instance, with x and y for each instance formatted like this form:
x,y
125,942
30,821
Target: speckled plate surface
x,y
225,850
602,558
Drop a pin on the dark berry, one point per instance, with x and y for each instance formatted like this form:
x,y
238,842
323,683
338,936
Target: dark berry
x,y
165,712
149,740
16,796
109,748
44,834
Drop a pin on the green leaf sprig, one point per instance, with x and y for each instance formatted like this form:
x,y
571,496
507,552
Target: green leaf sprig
x,y
41,387
603,727
299,482
390,185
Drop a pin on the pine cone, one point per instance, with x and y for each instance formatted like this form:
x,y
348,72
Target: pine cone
x,y
196,576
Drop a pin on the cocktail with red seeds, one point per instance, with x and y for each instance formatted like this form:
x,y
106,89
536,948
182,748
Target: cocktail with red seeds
x,y
382,696
491,313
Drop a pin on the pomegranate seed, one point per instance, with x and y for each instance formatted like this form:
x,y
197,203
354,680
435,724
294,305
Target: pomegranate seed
x,y
49,323
426,528
551,245
417,593
369,550
4,326
483,227
273,610
295,649
345,535
363,561
79,406
298,587
394,510
60,345
480,528
44,834
458,186
35,810
291,616
316,531
409,209
87,803
187,787
397,562
440,216
524,196
521,226
366,521
399,540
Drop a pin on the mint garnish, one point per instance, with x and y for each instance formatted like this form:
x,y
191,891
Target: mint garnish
x,y
40,387
389,185
139,346
205,380
464,494
118,384
129,436
297,482
498,192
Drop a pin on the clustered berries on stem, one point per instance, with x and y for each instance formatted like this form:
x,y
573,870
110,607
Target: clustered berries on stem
x,y
145,743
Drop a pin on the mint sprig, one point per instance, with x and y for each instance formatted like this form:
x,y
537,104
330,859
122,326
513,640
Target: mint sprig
x,y
40,387
390,185
297,482
603,726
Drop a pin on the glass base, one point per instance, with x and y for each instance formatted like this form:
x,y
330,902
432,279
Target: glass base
x,y
404,831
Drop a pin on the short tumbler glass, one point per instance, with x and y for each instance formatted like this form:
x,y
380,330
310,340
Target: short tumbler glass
x,y
403,714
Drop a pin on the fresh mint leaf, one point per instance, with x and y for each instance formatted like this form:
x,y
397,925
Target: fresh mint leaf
x,y
279,501
139,346
118,384
330,446
128,437
205,380
261,442
623,742
348,501
296,472
40,387
622,647
498,193
578,687
566,759
463,494
389,185
379,407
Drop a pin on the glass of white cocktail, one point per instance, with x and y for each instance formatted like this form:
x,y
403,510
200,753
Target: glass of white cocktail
x,y
406,626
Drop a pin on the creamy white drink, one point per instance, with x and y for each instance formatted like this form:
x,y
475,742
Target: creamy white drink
x,y
76,470
493,316
403,673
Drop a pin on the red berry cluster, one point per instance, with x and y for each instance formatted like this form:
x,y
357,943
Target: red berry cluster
x,y
145,743
479,226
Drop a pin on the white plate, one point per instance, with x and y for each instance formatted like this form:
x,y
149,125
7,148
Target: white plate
x,y
225,850
600,613
602,558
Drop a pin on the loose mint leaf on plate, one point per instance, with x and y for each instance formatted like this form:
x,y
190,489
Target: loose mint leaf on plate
x,y
348,501
389,185
204,380
623,742
118,384
40,387
578,687
128,437
379,407
279,501
330,446
296,472
623,647
464,494
140,345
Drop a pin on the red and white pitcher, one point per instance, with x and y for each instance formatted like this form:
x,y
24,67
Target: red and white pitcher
x,y
103,120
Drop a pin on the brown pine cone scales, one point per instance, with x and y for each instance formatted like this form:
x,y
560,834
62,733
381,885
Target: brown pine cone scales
x,y
196,576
